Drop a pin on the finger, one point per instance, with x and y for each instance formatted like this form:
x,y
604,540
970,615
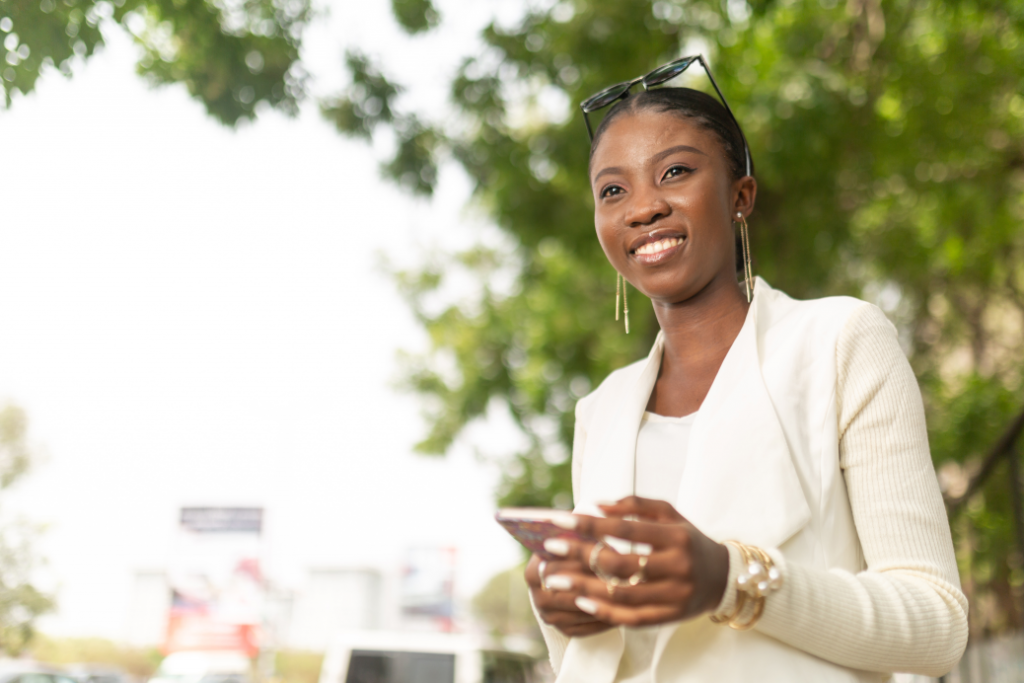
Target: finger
x,y
674,563
556,601
656,534
532,571
587,629
647,615
565,567
645,508
664,593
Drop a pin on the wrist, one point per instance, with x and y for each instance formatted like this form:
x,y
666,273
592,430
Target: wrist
x,y
734,565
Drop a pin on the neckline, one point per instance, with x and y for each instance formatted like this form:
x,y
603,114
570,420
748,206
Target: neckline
x,y
669,419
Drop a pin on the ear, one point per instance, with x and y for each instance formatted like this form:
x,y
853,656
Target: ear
x,y
744,193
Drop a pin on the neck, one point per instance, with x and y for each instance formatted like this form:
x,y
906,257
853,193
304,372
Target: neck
x,y
705,325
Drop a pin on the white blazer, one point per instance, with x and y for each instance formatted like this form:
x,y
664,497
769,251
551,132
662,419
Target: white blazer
x,y
762,468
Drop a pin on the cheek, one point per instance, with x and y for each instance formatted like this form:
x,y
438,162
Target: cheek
x,y
607,236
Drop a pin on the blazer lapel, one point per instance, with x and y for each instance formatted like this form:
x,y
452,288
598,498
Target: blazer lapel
x,y
740,482
608,465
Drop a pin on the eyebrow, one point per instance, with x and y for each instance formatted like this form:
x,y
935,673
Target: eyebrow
x,y
653,160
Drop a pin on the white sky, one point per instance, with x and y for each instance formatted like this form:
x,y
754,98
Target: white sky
x,y
195,315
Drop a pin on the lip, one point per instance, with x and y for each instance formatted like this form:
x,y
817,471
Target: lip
x,y
655,236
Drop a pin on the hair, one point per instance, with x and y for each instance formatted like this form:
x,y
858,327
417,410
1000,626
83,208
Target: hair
x,y
703,109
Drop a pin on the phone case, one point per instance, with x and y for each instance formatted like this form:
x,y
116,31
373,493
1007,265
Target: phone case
x,y
532,533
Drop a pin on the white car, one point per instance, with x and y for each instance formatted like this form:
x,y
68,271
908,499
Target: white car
x,y
28,671
203,667
415,657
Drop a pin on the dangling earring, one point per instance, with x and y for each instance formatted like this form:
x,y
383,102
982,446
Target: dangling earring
x,y
620,289
748,271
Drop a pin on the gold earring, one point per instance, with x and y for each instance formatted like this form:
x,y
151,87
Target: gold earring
x,y
748,270
620,289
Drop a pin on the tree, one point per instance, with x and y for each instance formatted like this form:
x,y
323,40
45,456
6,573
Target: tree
x,y
233,57
888,137
20,602
503,605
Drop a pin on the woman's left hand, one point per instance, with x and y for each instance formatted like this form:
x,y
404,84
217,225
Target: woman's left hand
x,y
684,576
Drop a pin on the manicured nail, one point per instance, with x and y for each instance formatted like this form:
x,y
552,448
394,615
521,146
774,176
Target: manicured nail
x,y
557,546
586,605
566,522
559,583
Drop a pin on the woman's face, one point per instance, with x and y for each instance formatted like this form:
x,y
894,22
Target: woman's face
x,y
664,205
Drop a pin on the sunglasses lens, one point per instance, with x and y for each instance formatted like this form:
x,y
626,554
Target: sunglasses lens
x,y
605,97
668,72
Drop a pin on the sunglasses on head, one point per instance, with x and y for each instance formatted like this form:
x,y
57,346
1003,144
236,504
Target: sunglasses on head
x,y
662,74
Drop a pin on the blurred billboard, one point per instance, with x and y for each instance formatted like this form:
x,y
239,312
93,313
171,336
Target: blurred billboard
x,y
427,593
217,586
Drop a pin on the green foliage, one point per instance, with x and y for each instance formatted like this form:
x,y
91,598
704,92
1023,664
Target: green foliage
x,y
415,16
15,457
231,57
295,666
503,606
888,138
139,662
20,602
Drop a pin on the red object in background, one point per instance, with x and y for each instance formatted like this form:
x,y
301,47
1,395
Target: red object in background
x,y
217,587
195,631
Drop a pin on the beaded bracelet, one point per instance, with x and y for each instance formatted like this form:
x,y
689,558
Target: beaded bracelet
x,y
759,579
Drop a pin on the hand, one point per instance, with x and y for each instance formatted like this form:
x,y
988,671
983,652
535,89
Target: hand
x,y
558,609
685,575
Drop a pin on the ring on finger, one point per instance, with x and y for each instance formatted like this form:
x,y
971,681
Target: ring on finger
x,y
595,553
640,576
540,572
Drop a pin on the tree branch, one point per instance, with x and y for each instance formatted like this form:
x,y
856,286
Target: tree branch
x,y
1002,448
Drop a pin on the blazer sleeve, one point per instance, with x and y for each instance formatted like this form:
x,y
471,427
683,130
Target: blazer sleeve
x,y
905,612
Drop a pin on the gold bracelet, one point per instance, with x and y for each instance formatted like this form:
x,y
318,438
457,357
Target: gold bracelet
x,y
759,579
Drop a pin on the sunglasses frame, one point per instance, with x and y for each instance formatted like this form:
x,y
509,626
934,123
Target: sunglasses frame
x,y
663,74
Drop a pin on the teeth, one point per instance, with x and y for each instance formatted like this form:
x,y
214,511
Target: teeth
x,y
659,246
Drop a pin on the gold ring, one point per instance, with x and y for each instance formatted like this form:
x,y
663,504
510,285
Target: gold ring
x,y
611,588
594,555
641,574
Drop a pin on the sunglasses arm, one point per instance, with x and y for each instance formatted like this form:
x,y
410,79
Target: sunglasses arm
x,y
746,147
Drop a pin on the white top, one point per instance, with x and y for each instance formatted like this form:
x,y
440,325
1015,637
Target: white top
x,y
661,447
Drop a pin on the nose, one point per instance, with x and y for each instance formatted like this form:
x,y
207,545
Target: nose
x,y
646,208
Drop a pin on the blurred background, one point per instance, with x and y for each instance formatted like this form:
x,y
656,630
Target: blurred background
x,y
295,293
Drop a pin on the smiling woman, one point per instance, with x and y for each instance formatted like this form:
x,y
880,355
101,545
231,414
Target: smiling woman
x,y
768,461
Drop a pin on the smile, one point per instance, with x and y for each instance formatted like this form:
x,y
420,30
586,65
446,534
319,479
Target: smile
x,y
661,245
656,251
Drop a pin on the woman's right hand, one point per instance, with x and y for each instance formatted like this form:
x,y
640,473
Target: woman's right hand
x,y
558,608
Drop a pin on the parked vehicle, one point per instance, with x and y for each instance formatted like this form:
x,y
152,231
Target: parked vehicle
x,y
28,671
412,657
203,667
97,673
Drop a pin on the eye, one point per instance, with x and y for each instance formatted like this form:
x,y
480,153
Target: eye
x,y
611,191
676,171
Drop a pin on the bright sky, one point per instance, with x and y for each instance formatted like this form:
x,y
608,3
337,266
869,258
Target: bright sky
x,y
195,315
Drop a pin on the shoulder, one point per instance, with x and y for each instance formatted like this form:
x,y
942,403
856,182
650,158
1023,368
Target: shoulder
x,y
778,309
816,324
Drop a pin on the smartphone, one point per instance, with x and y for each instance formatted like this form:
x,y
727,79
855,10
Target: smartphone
x,y
533,526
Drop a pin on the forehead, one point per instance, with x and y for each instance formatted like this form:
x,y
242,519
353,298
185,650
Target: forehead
x,y
633,138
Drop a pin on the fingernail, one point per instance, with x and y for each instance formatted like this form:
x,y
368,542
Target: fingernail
x,y
567,522
557,546
558,582
607,503
586,605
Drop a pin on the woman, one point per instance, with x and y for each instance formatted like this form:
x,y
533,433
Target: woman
x,y
776,508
